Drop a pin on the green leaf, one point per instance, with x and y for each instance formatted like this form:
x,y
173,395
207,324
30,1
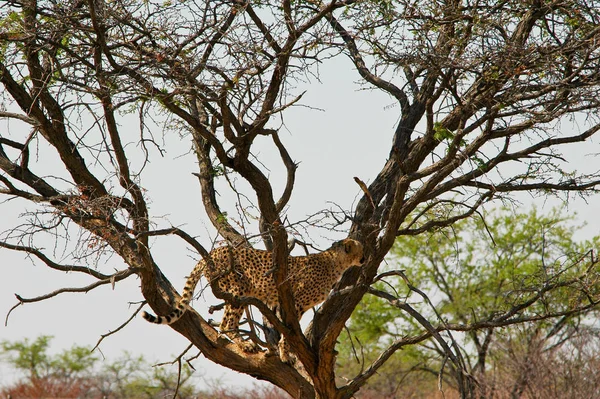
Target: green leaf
x,y
440,133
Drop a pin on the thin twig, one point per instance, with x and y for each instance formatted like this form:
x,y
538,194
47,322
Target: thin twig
x,y
10,311
52,264
179,367
120,327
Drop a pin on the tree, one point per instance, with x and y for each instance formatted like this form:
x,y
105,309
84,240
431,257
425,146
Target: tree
x,y
510,266
77,373
64,375
133,377
481,90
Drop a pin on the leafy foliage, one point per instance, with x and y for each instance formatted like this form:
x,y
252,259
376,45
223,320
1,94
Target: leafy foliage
x,y
77,373
479,272
34,358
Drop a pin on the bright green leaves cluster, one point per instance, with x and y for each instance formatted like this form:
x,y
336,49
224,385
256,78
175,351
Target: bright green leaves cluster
x,y
12,23
126,377
440,133
74,360
474,271
372,319
33,357
11,27
133,377
222,218
479,268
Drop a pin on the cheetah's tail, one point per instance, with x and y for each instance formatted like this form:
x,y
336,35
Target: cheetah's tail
x,y
168,319
181,306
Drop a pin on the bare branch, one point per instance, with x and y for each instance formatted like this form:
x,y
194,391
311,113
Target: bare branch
x,y
121,275
24,118
119,328
178,232
363,70
54,265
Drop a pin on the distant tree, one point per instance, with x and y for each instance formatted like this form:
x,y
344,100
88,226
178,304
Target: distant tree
x,y
522,271
65,375
133,377
483,92
534,363
78,373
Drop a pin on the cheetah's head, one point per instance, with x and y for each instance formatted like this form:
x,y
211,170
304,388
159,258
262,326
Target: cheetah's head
x,y
351,251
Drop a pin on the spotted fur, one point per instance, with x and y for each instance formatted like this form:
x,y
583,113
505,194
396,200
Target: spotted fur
x,y
248,272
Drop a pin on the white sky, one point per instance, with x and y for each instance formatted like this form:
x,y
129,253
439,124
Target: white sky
x,y
350,138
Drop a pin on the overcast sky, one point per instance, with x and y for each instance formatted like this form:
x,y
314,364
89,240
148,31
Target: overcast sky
x,y
349,137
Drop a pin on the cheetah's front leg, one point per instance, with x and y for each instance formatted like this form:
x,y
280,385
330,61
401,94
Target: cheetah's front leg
x,y
230,327
284,349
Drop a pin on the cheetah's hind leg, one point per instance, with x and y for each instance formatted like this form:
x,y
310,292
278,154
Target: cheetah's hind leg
x,y
284,351
230,327
285,354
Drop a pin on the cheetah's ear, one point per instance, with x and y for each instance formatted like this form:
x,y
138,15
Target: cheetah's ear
x,y
348,246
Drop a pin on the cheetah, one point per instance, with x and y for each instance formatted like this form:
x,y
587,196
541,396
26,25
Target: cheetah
x,y
247,272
